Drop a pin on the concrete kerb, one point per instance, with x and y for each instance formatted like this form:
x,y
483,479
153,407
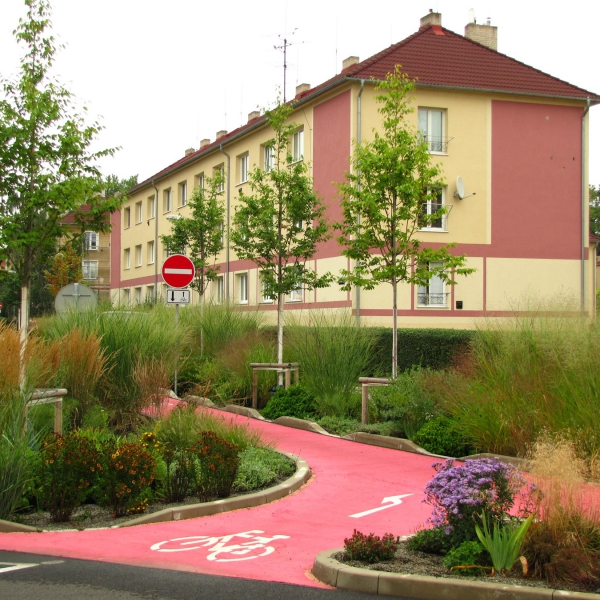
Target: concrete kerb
x,y
205,509
332,572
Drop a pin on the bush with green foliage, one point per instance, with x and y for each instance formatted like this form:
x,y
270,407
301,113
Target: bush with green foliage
x,y
216,466
261,467
440,436
294,401
431,541
469,555
370,548
68,469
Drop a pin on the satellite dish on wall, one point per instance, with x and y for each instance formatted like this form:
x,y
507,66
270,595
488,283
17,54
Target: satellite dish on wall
x,y
75,297
460,187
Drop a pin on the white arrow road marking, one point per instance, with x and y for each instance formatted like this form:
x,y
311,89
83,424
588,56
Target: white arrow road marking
x,y
5,567
394,500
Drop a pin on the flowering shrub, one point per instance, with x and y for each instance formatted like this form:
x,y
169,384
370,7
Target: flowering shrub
x,y
128,471
68,470
460,493
370,548
218,462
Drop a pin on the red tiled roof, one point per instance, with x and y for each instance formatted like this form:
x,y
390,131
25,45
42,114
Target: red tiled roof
x,y
433,56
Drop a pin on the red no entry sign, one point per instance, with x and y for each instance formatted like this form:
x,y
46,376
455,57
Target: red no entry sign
x,y
178,271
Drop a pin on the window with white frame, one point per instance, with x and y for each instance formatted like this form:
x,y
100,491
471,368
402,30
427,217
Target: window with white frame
x,y
242,286
151,252
296,295
434,293
138,212
138,255
243,166
126,218
151,207
220,171
222,230
167,200
268,158
183,193
89,269
92,240
265,297
149,292
199,180
127,258
432,128
138,295
218,290
298,145
126,296
432,216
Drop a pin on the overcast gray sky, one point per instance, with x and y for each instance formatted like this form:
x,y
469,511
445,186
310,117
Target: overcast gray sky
x,y
163,75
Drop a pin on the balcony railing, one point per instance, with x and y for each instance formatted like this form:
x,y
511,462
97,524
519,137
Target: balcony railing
x,y
437,144
426,299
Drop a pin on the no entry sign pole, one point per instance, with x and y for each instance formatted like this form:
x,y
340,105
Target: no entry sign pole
x,y
178,272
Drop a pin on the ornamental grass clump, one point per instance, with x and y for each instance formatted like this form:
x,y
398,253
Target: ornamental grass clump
x,y
460,493
68,469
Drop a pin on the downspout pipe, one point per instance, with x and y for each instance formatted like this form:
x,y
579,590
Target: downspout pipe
x,y
584,237
155,242
358,139
227,224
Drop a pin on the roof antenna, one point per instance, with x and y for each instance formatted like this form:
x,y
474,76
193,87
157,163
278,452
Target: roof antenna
x,y
284,47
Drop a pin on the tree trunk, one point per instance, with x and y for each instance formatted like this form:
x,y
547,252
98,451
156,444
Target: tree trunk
x,y
280,335
24,330
395,329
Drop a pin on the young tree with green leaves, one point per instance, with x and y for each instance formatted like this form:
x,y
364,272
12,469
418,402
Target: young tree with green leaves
x,y
47,168
595,210
280,223
200,236
383,202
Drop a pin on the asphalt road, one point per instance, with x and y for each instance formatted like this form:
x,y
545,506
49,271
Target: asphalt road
x,y
50,578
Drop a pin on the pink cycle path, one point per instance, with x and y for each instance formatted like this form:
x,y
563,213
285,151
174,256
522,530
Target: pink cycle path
x,y
348,479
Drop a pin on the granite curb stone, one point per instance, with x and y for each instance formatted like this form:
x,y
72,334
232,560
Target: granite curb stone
x,y
421,587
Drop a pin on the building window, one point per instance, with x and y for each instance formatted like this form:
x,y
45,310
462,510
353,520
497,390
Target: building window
x,y
199,180
91,240
220,171
149,293
432,129
434,204
127,218
151,207
265,298
222,230
138,213
218,290
151,252
268,158
89,269
296,295
183,193
243,166
138,295
298,145
433,294
127,258
138,256
242,286
167,201
127,296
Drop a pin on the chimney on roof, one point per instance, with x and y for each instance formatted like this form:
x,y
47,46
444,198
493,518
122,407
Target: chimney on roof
x,y
303,87
221,133
433,18
253,115
205,142
190,151
486,35
348,62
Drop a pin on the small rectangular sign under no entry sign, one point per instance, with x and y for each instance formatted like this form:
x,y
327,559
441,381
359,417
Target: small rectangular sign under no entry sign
x,y
178,296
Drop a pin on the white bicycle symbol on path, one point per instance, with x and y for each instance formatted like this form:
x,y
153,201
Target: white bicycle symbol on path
x,y
220,545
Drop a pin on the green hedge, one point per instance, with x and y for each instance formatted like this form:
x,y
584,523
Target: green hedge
x,y
427,348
